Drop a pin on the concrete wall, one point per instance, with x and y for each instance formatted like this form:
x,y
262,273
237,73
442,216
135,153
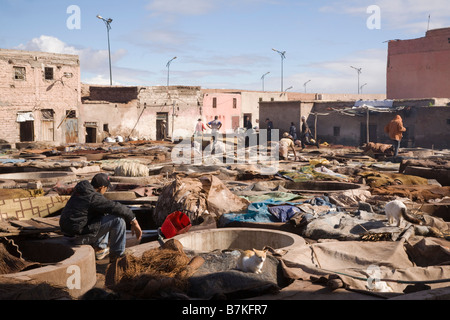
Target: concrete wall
x,y
137,115
34,93
251,100
419,68
281,113
427,124
427,127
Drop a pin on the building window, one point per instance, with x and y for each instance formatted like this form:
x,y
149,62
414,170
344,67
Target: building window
x,y
336,131
48,73
234,103
214,102
71,114
19,73
260,99
272,99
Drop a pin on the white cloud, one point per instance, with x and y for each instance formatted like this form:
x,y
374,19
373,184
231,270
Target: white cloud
x,y
408,15
94,63
91,60
48,44
338,76
100,80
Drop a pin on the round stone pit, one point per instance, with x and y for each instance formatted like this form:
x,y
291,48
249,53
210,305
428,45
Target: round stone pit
x,y
63,265
230,238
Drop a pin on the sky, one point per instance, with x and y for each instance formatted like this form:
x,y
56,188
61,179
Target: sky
x,y
225,44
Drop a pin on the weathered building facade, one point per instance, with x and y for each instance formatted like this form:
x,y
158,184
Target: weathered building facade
x,y
233,106
139,112
427,121
40,95
419,68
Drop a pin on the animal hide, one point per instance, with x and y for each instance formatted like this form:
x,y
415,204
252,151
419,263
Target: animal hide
x,y
131,169
197,197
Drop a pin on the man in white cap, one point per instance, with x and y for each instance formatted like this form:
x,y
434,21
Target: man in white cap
x,y
286,143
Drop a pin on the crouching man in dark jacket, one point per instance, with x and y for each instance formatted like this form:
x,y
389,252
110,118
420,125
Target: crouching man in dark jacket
x,y
92,219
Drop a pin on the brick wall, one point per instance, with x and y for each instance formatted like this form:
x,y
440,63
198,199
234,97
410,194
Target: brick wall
x,y
419,68
32,92
181,105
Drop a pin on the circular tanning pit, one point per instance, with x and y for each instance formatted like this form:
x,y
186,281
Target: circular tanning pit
x,y
238,238
46,177
230,238
58,263
322,186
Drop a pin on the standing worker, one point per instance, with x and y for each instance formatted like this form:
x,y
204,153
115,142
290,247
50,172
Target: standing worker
x,y
306,136
293,131
269,129
215,126
162,130
90,218
199,128
248,130
395,131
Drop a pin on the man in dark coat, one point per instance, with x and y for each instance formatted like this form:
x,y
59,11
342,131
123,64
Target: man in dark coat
x,y
306,136
90,218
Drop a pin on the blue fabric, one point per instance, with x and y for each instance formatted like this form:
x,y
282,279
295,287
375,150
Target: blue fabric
x,y
12,160
282,211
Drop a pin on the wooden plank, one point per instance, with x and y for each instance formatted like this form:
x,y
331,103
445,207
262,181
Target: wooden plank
x,y
28,227
53,222
23,224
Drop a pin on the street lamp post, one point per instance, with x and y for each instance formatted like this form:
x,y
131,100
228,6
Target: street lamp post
x,y
365,84
262,78
108,27
306,84
359,72
168,67
283,56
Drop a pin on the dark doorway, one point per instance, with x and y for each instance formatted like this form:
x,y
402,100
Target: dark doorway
x,y
91,135
162,125
27,131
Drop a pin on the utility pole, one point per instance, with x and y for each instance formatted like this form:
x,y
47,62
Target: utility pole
x,y
108,27
168,66
262,78
359,70
283,56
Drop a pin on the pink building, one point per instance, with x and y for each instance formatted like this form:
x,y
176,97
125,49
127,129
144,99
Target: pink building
x,y
227,106
419,68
